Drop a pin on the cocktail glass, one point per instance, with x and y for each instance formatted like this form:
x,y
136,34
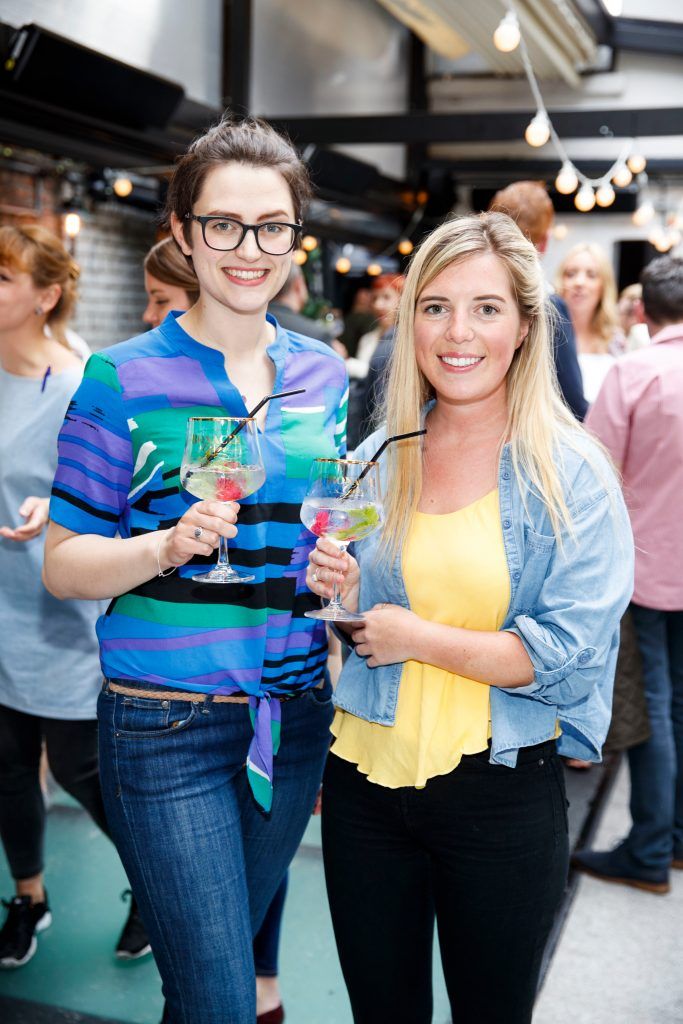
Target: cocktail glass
x,y
343,503
222,462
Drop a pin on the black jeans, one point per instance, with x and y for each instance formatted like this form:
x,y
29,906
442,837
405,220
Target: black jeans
x,y
483,849
72,754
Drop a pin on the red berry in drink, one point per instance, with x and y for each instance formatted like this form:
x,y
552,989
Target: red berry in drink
x,y
321,523
228,490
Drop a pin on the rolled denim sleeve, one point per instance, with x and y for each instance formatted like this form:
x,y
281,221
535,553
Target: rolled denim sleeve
x,y
570,639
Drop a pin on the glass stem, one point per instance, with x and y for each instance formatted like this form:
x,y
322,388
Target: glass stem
x,y
336,601
223,560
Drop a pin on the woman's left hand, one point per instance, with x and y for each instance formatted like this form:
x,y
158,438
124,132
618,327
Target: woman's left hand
x,y
36,512
387,635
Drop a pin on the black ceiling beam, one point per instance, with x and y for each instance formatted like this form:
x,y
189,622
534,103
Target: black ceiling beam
x,y
511,170
642,36
236,64
485,126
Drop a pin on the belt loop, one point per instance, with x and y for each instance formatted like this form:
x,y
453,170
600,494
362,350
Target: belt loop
x,y
105,685
206,703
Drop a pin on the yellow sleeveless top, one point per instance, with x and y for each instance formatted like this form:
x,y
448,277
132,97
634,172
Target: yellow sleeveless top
x,y
455,572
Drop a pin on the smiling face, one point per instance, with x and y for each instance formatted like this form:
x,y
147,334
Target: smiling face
x,y
161,299
581,285
467,330
245,279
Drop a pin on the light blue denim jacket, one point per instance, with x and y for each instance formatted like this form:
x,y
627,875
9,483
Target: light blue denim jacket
x,y
565,605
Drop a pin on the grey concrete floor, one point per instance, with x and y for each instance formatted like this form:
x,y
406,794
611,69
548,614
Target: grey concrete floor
x,y
620,956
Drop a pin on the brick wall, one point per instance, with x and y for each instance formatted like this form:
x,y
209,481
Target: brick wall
x,y
110,249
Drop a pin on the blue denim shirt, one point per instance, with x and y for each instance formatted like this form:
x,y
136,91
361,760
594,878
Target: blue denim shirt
x,y
565,605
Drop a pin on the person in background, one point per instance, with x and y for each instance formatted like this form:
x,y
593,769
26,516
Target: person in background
x,y
385,295
215,710
530,206
287,308
358,321
491,600
585,280
49,662
632,317
373,385
171,284
638,416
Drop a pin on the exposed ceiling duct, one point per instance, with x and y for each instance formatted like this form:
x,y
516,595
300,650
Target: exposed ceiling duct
x,y
558,38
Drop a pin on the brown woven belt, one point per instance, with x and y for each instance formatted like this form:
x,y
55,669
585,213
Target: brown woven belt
x,y
195,698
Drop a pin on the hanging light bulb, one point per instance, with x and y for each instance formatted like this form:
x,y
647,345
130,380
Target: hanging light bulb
x,y
637,163
374,270
643,214
309,243
659,238
299,257
343,265
538,129
584,200
72,225
123,187
605,195
566,181
507,36
405,247
622,176
560,231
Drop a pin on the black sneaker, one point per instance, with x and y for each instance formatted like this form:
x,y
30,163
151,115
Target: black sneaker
x,y
18,934
133,942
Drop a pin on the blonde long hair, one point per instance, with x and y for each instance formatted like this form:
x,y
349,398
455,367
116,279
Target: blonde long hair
x,y
605,319
538,421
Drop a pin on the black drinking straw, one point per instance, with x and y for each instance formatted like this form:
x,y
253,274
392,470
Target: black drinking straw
x,y
384,444
226,440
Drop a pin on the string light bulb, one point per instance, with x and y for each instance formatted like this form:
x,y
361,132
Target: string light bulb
x,y
374,270
605,195
538,129
507,36
637,163
123,187
72,225
309,243
660,240
566,181
405,247
560,231
584,200
343,265
300,257
622,177
643,214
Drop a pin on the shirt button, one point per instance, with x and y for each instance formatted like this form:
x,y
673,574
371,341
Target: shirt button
x,y
506,475
506,524
515,575
584,657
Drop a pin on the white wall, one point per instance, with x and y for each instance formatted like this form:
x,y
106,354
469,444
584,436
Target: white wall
x,y
179,41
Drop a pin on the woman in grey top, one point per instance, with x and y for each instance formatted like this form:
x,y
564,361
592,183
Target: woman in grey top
x,y
49,664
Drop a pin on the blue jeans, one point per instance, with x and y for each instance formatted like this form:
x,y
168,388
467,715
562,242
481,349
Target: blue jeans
x,y
657,765
204,861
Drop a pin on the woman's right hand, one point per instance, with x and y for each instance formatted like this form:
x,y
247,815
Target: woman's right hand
x,y
180,544
327,565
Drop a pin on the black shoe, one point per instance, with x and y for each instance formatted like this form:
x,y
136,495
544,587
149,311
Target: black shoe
x,y
133,942
18,934
618,866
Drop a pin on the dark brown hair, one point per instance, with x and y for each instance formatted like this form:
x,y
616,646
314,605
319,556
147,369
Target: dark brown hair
x,y
166,262
252,142
32,249
662,282
529,205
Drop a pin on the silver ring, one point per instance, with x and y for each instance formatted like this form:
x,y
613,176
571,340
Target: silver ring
x,y
198,532
314,577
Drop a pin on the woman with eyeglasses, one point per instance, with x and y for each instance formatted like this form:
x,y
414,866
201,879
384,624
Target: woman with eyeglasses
x,y
201,680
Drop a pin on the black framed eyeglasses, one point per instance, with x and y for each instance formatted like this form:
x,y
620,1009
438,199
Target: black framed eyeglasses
x,y
276,238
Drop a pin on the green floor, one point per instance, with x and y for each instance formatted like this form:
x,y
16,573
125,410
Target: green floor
x,y
74,967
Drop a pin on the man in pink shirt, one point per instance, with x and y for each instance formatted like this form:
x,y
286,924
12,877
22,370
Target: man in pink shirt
x,y
638,415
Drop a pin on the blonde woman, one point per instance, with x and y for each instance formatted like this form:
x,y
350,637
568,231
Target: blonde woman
x,y
585,280
492,599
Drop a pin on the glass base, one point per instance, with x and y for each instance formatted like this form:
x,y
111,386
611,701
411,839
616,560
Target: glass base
x,y
222,574
332,614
